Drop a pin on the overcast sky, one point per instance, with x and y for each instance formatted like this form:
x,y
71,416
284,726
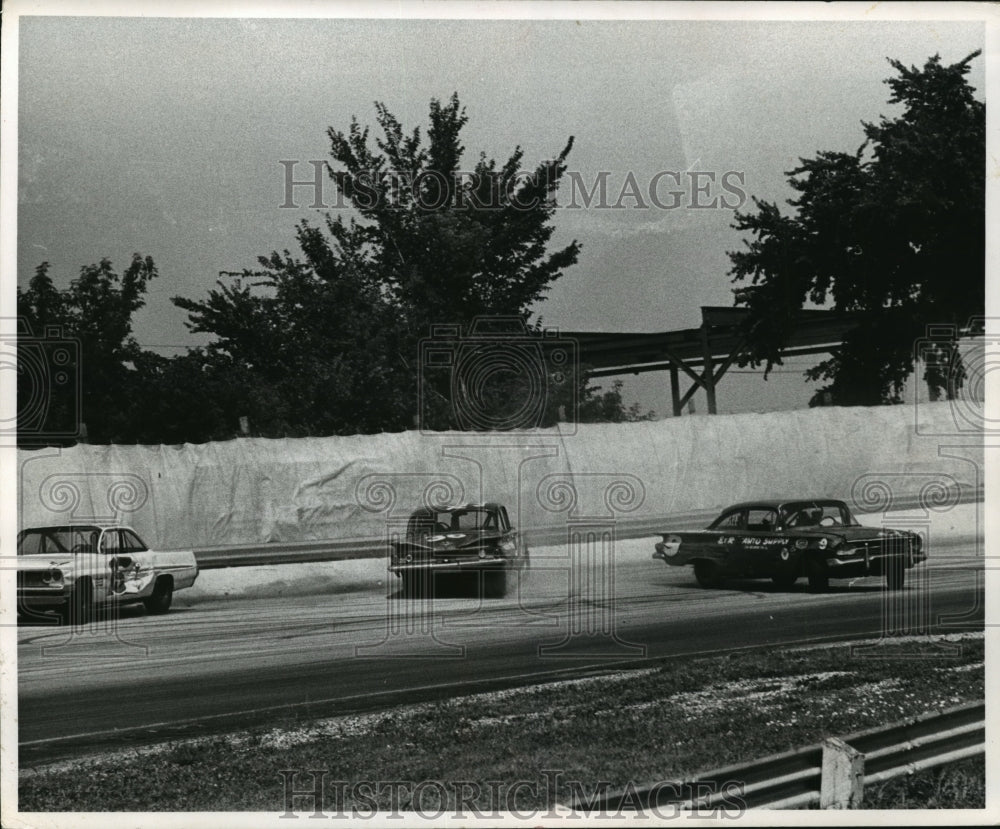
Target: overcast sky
x,y
164,136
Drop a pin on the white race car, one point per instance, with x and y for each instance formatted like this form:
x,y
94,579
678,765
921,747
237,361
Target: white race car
x,y
74,569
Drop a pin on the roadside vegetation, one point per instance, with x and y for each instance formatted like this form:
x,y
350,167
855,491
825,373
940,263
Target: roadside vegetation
x,y
438,251
527,749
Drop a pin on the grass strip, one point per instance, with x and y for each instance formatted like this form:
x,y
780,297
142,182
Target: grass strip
x,y
525,749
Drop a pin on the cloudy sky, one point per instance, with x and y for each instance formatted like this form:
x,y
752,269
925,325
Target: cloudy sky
x,y
165,136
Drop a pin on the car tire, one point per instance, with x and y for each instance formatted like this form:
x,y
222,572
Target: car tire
x,y
819,578
80,607
784,580
161,598
707,574
895,575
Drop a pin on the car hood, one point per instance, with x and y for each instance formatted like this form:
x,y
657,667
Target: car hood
x,y
43,562
454,540
852,534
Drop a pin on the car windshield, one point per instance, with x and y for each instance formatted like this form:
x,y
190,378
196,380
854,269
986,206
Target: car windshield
x,y
751,518
57,540
806,514
455,520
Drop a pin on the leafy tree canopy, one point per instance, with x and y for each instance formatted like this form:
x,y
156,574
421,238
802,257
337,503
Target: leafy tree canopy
x,y
76,351
334,331
330,340
896,229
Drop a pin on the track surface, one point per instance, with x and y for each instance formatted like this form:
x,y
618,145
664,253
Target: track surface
x,y
220,666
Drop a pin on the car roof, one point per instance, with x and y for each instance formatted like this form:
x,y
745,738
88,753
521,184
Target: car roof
x,y
488,506
62,528
779,504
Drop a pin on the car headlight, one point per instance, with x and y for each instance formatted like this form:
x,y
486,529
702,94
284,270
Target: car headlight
x,y
824,543
507,546
801,543
53,577
670,545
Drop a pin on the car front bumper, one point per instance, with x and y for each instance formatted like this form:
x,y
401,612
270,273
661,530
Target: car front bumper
x,y
459,565
864,562
38,597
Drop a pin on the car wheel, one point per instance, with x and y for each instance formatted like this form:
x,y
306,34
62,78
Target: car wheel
x,y
784,580
80,607
819,578
495,584
707,574
163,595
895,575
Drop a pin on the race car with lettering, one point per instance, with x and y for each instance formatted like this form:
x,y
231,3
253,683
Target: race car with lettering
x,y
468,538
784,540
74,569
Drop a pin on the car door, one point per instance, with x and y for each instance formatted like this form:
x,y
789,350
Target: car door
x,y
113,572
728,531
759,543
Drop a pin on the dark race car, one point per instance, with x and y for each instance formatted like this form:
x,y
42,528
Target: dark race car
x,y
783,540
470,538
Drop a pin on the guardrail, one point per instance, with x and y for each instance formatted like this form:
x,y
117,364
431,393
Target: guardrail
x,y
295,552
241,555
832,774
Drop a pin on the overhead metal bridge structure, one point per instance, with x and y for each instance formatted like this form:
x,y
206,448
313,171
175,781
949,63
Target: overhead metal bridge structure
x,y
702,355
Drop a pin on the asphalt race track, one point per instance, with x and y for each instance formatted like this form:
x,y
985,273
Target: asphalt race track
x,y
221,666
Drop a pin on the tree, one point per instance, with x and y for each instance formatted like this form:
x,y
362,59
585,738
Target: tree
x,y
607,406
428,244
76,356
895,230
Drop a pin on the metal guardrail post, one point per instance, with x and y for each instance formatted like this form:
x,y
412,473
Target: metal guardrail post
x,y
842,780
831,775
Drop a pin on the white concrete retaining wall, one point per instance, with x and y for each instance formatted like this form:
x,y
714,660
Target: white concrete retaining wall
x,y
253,491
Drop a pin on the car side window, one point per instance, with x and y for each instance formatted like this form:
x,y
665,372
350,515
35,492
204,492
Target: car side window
x,y
803,518
832,516
131,543
30,544
732,521
761,519
111,543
